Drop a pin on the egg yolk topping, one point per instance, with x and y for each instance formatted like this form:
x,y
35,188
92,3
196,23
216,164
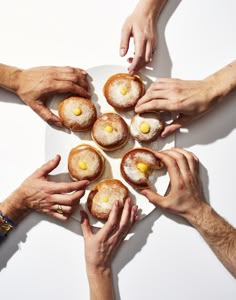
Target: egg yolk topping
x,y
123,91
109,128
142,167
82,165
105,199
77,111
144,127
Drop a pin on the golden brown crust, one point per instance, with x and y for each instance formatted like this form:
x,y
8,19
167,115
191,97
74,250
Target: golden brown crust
x,y
82,122
129,171
129,81
155,123
110,141
89,156
114,189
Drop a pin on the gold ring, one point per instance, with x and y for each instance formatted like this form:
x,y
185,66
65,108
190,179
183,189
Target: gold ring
x,y
59,209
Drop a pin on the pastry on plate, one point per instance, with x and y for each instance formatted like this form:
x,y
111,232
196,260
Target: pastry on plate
x,y
103,195
85,162
123,91
110,132
137,165
77,114
146,127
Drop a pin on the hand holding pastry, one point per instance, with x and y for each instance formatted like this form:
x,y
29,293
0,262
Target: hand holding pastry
x,y
57,199
101,247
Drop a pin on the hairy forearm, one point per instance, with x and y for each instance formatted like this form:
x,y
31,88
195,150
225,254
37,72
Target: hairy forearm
x,y
224,80
101,285
151,8
218,233
8,77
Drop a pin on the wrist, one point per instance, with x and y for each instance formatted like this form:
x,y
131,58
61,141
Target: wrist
x,y
102,272
149,8
195,214
9,77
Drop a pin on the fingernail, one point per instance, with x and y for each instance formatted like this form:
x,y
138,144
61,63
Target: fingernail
x,y
122,51
84,72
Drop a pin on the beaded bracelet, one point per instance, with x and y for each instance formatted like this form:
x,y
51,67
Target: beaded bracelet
x,y
6,225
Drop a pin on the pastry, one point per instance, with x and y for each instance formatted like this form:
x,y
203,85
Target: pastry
x,y
146,127
122,91
78,114
85,162
110,132
103,195
137,165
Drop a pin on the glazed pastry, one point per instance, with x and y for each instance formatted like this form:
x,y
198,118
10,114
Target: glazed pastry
x,y
110,132
85,162
137,165
122,91
146,127
103,195
77,114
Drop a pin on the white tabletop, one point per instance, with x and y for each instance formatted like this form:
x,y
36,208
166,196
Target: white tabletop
x,y
166,258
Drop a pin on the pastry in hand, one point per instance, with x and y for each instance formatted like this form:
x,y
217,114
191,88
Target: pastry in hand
x,y
122,91
85,162
110,132
77,114
137,165
103,195
146,127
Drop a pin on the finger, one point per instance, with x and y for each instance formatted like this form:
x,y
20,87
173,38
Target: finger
x,y
153,197
157,94
125,38
68,69
180,122
61,217
156,105
45,113
64,199
68,187
67,87
66,210
139,57
149,52
85,224
112,222
124,224
73,77
45,169
192,159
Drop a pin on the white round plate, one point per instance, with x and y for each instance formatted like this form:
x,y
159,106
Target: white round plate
x,y
60,141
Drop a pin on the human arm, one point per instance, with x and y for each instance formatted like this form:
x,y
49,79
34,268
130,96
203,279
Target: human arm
x,y
186,199
35,86
101,247
141,25
36,193
190,99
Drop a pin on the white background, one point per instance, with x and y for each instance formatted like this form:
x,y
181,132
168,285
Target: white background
x,y
166,258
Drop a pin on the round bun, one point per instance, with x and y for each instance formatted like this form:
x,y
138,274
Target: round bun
x,y
146,127
137,165
103,195
77,113
123,91
85,162
110,132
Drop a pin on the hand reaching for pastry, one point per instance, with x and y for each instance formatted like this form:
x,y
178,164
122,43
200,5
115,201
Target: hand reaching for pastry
x,y
57,199
186,194
189,98
34,86
142,29
101,247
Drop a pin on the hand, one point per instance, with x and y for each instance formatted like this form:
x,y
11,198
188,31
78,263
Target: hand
x,y
101,247
190,99
39,194
142,28
185,197
36,85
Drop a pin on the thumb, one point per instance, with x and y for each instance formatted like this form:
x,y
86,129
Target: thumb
x,y
85,225
153,197
124,42
45,169
46,114
180,122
